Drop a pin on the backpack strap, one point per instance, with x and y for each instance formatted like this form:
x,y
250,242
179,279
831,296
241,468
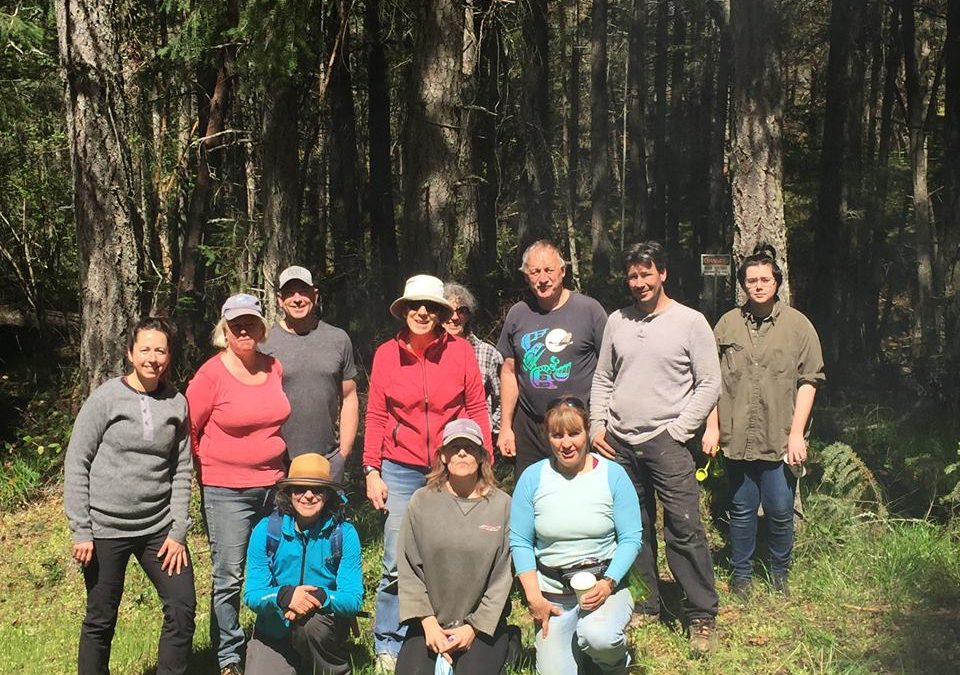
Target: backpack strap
x,y
274,527
336,547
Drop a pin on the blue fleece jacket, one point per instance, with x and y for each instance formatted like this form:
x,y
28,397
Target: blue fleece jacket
x,y
301,558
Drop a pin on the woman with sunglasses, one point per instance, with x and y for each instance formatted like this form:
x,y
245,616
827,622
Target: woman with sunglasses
x,y
237,407
304,579
575,512
422,379
456,616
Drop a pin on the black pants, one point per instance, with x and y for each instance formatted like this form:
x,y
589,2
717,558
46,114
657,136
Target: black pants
x,y
104,581
314,647
662,468
531,440
486,656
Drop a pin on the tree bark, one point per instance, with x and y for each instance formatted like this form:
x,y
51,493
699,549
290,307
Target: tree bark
x,y
599,152
571,17
537,179
757,120
383,229
431,138
109,223
635,181
951,243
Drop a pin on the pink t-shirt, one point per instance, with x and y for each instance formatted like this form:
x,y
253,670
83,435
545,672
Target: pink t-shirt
x,y
236,427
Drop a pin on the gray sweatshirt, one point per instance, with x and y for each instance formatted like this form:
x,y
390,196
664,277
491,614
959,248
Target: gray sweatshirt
x,y
128,465
453,558
655,371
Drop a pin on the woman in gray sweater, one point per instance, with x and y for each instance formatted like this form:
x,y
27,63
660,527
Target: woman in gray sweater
x,y
453,593
126,493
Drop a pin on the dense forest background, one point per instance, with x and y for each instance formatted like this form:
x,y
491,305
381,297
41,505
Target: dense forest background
x,y
156,156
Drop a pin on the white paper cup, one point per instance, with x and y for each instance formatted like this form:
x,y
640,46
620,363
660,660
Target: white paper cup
x,y
581,582
798,470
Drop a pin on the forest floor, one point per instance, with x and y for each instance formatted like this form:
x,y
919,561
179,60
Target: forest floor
x,y
869,595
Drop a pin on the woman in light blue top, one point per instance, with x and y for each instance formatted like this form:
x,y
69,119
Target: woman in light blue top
x,y
575,511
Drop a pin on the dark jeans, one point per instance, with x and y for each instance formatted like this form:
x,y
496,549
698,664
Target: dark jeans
x,y
531,440
486,656
752,484
314,647
104,577
662,468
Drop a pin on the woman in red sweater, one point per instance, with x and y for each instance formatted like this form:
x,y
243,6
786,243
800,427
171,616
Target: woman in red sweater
x,y
237,406
421,380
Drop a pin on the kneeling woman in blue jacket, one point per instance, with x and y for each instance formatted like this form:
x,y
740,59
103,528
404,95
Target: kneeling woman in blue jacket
x,y
303,577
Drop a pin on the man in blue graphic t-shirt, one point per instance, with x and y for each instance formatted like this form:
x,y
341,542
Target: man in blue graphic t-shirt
x,y
549,344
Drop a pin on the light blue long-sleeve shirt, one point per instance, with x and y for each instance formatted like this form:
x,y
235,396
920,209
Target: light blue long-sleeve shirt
x,y
560,521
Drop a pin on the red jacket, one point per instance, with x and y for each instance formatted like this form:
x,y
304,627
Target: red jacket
x,y
411,399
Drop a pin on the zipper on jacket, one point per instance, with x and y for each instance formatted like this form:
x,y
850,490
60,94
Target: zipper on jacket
x,y
303,555
426,405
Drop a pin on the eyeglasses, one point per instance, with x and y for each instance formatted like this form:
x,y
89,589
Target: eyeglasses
x,y
460,311
569,401
317,491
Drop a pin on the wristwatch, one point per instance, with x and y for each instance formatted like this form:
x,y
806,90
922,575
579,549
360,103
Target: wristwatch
x,y
613,584
367,470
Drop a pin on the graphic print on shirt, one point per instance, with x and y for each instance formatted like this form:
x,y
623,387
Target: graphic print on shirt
x,y
540,362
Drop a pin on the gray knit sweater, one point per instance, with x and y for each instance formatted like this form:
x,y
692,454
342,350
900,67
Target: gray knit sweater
x,y
655,371
128,465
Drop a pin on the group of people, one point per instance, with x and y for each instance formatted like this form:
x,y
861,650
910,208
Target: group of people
x,y
595,411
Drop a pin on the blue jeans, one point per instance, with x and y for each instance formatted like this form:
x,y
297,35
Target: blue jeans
x,y
230,515
751,484
402,481
575,636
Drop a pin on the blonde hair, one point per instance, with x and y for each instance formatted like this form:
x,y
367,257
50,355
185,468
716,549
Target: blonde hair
x,y
218,337
439,475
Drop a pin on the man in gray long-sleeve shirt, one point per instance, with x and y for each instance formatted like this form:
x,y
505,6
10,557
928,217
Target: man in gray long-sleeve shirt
x,y
657,379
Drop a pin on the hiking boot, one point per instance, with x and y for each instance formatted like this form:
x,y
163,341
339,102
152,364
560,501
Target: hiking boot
x,y
702,631
741,587
642,619
780,585
385,663
231,669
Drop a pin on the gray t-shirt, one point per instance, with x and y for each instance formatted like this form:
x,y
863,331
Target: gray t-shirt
x,y
555,353
315,366
128,467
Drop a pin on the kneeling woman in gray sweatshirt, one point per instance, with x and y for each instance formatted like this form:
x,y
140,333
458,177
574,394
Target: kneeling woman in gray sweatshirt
x,y
454,562
127,492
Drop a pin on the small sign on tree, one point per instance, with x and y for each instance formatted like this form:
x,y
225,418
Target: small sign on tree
x,y
715,264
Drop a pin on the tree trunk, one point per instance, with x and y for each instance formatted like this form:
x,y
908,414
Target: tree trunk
x,y
599,152
467,227
346,221
383,229
951,242
658,229
916,59
431,138
571,17
757,119
537,179
635,181
108,219
280,157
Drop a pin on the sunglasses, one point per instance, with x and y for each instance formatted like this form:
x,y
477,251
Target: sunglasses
x,y
431,307
317,491
568,401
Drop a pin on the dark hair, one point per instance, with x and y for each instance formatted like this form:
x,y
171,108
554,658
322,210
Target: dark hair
x,y
156,323
763,254
645,253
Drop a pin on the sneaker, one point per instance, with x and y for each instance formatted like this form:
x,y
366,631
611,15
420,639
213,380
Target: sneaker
x,y
702,632
231,669
780,585
740,587
385,663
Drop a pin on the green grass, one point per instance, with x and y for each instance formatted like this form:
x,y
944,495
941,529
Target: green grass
x,y
870,595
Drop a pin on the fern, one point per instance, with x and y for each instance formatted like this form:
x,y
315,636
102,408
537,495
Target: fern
x,y
846,477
